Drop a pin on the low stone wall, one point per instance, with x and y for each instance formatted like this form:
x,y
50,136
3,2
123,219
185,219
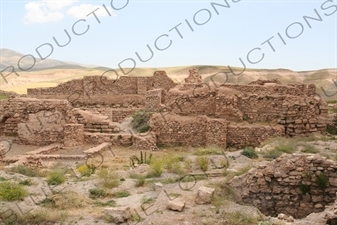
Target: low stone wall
x,y
296,107
295,185
190,131
118,115
114,139
73,135
251,135
17,110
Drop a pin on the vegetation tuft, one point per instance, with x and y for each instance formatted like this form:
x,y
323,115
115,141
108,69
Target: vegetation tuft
x,y
250,153
140,121
10,191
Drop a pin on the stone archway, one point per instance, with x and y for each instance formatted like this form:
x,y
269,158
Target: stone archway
x,y
296,185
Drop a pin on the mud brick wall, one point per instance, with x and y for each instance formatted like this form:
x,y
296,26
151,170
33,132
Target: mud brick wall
x,y
295,185
296,107
73,135
118,115
274,89
154,100
189,131
38,130
251,135
114,139
98,85
160,80
17,110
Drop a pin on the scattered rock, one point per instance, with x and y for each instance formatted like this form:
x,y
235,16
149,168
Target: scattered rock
x,y
176,205
204,195
118,214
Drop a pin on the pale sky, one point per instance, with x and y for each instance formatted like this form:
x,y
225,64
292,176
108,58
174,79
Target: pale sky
x,y
223,32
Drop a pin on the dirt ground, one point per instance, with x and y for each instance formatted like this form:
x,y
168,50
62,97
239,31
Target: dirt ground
x,y
180,178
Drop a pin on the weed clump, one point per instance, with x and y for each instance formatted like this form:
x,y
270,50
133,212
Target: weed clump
x,y
140,121
56,178
10,191
250,153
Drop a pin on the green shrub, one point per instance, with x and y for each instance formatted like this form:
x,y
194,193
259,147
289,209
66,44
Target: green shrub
x,y
55,178
322,180
26,182
97,193
141,160
11,191
304,188
250,153
110,179
272,154
140,181
202,163
156,168
121,194
140,121
86,170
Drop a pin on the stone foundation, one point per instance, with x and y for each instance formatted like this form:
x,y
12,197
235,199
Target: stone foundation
x,y
295,185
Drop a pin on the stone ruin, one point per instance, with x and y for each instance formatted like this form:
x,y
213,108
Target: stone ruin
x,y
89,110
295,185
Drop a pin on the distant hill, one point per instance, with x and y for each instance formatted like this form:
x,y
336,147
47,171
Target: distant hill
x,y
11,58
49,73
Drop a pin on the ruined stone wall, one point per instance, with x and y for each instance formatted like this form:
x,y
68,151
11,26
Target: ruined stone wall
x,y
154,99
190,131
251,135
114,139
296,107
118,115
102,85
19,110
295,185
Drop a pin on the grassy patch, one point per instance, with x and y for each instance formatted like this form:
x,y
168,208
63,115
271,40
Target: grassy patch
x,y
26,182
10,191
156,168
97,193
202,163
44,216
110,179
208,151
56,178
3,97
250,153
239,218
307,148
121,194
24,170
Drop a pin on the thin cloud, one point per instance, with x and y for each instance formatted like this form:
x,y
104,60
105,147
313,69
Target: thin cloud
x,y
45,11
81,11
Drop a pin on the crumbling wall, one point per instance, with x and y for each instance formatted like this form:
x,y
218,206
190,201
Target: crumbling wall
x,y
251,135
102,85
154,99
296,107
118,115
18,110
295,185
190,131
